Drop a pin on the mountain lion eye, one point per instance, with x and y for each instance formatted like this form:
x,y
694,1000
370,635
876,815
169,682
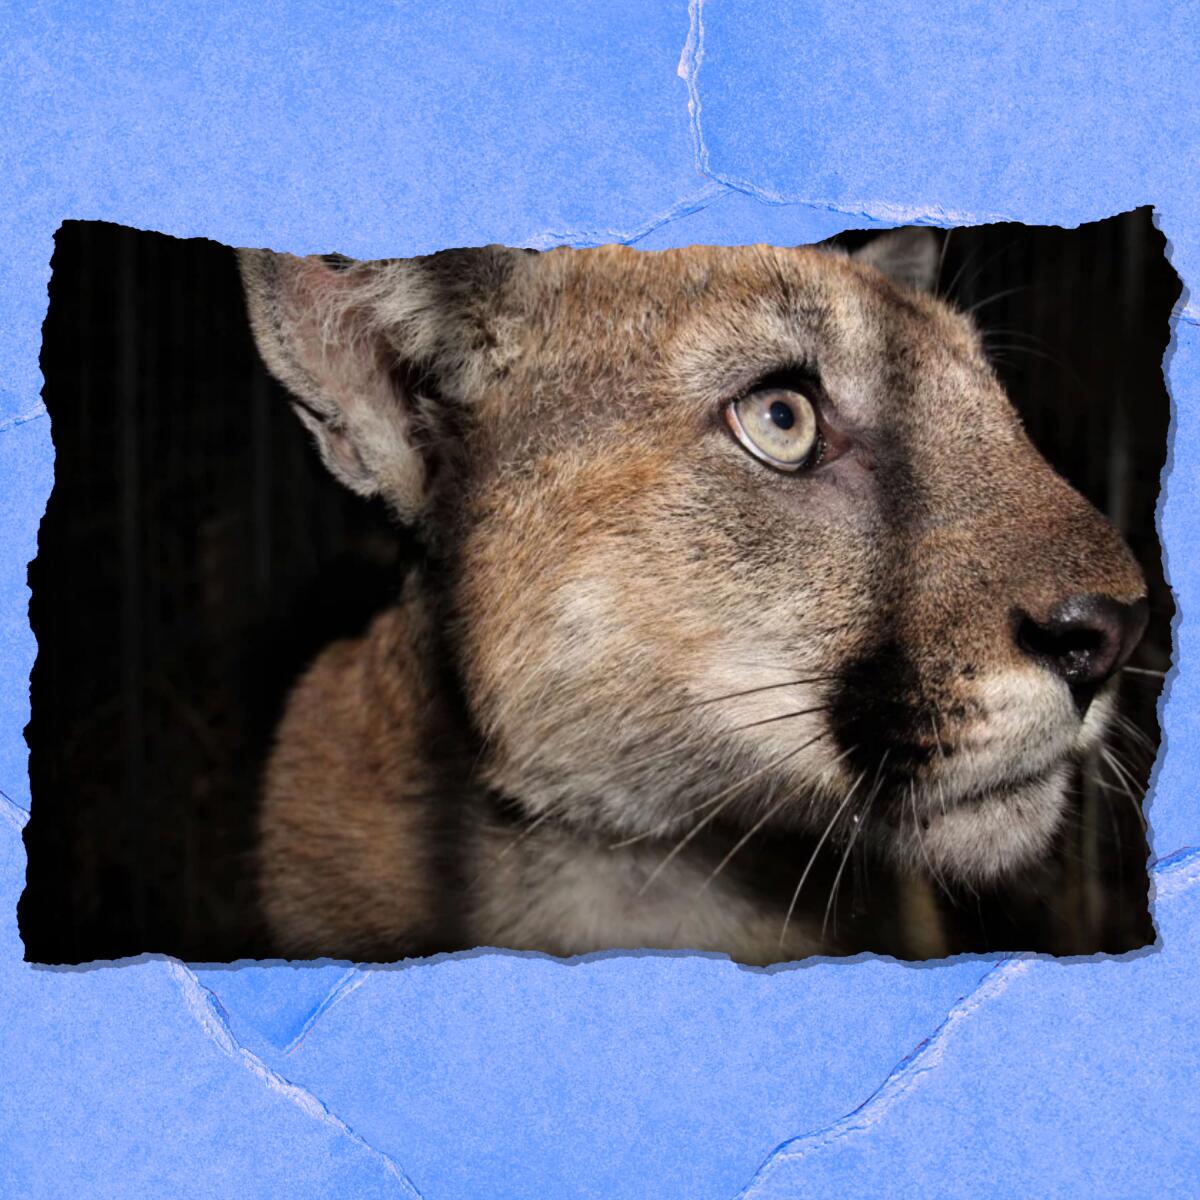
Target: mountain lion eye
x,y
778,426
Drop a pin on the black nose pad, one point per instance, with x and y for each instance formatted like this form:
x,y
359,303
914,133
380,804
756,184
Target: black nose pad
x,y
1082,639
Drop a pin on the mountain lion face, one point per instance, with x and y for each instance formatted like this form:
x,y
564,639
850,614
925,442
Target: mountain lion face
x,y
738,535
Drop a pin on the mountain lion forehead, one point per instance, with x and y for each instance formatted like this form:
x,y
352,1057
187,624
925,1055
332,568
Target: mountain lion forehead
x,y
730,273
752,295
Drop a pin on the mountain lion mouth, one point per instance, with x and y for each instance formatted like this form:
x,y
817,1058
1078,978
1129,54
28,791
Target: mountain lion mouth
x,y
985,833
998,792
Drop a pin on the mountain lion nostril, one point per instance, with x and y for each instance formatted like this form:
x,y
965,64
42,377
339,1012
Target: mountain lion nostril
x,y
1084,639
1042,642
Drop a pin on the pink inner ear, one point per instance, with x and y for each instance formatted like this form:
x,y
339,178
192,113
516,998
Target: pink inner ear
x,y
364,438
308,277
307,292
315,303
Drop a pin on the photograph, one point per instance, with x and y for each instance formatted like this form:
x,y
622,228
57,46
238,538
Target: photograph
x,y
771,602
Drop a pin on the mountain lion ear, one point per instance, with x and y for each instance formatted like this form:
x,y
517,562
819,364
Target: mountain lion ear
x,y
343,337
906,256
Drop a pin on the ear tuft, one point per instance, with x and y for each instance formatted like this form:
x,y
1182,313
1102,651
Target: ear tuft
x,y
907,256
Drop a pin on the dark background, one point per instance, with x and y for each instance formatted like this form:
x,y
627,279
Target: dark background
x,y
194,556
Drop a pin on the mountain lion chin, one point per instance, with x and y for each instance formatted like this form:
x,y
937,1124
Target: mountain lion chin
x,y
989,835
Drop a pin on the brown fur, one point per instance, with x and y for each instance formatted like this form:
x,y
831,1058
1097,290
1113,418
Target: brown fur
x,y
348,783
619,591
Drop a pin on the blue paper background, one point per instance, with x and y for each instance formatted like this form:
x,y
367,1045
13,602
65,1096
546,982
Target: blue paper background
x,y
399,128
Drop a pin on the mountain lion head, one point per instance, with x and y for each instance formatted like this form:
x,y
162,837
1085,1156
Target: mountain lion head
x,y
742,535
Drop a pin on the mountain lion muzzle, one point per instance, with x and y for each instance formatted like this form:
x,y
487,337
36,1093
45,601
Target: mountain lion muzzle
x,y
730,551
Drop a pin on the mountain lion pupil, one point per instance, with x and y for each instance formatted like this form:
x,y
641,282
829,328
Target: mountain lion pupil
x,y
782,415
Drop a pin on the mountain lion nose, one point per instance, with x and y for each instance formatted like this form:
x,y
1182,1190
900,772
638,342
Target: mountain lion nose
x,y
1084,640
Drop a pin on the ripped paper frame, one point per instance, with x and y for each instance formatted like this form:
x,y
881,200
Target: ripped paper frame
x,y
396,130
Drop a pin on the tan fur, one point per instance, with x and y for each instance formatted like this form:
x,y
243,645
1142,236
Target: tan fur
x,y
345,788
619,593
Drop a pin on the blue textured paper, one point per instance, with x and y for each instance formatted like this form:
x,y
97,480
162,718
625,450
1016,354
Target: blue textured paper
x,y
399,128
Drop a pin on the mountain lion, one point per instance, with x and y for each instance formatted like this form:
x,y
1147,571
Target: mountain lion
x,y
737,560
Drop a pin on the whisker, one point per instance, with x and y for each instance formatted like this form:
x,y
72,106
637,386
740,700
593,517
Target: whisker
x,y
558,726
1144,671
744,839
800,712
981,268
1129,787
663,827
1034,350
912,799
993,298
1107,786
530,828
948,293
726,797
1127,765
767,687
941,757
1004,331
660,829
1137,736
937,737
1009,348
681,748
860,822
788,797
813,857
795,681
877,785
